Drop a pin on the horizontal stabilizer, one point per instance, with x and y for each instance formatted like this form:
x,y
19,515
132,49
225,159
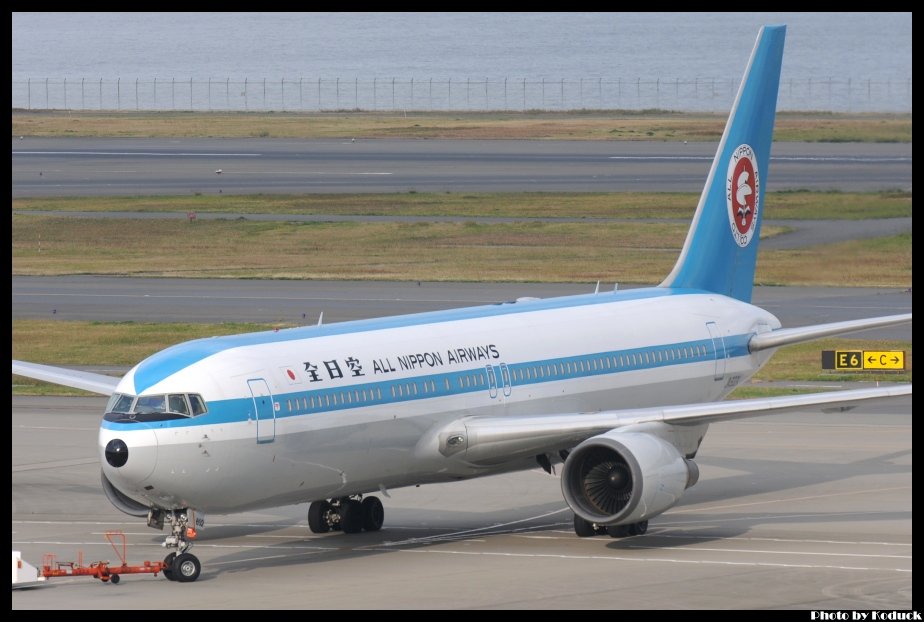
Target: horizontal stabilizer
x,y
787,336
88,381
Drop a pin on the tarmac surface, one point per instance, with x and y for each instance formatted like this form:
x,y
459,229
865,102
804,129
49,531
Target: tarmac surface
x,y
129,166
801,512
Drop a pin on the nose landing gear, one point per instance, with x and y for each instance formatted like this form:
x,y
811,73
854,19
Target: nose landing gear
x,y
347,514
180,566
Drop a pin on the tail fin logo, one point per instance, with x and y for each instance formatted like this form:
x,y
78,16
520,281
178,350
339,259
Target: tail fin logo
x,y
742,193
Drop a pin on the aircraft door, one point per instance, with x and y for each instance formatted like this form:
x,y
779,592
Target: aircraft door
x,y
264,410
499,380
505,379
718,348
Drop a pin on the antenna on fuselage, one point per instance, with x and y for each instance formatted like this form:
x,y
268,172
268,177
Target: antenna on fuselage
x,y
597,289
321,318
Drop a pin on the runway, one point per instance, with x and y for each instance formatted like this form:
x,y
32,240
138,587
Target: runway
x,y
115,299
801,512
112,166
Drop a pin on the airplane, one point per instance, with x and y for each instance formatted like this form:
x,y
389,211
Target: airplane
x,y
620,386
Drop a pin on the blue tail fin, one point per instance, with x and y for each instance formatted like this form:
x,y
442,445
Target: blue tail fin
x,y
720,252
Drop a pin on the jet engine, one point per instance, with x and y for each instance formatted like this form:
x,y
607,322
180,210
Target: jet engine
x,y
620,478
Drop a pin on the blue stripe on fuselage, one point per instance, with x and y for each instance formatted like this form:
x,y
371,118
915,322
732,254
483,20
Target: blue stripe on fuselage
x,y
461,382
167,362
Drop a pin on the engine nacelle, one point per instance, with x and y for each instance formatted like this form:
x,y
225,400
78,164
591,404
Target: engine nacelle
x,y
622,478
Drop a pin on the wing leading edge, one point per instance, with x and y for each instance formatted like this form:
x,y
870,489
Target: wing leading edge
x,y
88,381
490,439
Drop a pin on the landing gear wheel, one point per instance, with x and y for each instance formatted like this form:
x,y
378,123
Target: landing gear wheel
x,y
317,517
351,516
583,528
618,531
168,567
114,579
373,514
186,568
638,529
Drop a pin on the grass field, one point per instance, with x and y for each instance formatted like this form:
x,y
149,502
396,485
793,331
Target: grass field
x,y
802,205
465,251
574,125
122,344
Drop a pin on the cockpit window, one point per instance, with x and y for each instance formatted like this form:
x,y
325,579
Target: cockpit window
x,y
198,405
128,408
177,404
120,403
147,404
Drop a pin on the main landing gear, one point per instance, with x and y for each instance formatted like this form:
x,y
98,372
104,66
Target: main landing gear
x,y
586,529
348,514
180,566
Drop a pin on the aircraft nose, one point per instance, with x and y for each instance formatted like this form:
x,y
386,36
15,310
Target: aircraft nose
x,y
128,457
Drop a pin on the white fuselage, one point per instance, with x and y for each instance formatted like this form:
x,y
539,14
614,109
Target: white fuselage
x,y
321,412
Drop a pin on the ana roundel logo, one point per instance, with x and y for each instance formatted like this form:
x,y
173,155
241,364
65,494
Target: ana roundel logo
x,y
742,193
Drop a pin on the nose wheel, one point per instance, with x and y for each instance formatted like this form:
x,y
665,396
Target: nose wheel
x,y
346,514
180,565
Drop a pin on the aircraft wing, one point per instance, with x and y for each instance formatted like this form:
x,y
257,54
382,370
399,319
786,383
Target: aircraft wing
x,y
786,336
88,381
490,439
